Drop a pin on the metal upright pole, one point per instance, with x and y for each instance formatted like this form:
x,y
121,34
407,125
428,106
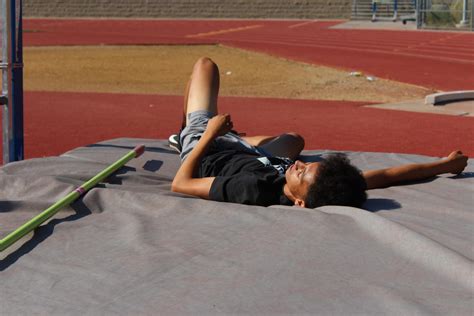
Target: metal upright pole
x,y
17,147
6,79
12,82
419,13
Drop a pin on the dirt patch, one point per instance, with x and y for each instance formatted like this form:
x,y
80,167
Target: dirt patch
x,y
165,69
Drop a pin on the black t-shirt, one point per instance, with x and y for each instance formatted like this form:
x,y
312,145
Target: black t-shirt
x,y
246,178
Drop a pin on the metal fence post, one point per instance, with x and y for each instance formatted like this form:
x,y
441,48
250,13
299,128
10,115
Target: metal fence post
x,y
418,14
464,20
395,10
354,8
472,15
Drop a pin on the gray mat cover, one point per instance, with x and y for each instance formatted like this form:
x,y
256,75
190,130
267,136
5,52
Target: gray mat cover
x,y
133,247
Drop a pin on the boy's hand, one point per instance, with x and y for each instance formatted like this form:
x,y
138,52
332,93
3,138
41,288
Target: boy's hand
x,y
219,125
456,162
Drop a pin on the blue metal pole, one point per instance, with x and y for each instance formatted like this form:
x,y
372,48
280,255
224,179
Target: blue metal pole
x,y
17,143
6,79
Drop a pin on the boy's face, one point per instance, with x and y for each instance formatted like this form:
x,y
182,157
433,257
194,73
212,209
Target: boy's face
x,y
299,177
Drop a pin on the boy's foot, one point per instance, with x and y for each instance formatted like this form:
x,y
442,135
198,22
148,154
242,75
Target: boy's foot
x,y
173,142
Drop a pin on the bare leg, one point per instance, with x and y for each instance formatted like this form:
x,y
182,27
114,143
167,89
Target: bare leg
x,y
185,107
201,94
286,145
202,88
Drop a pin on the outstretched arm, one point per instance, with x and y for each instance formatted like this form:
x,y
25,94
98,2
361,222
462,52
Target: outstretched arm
x,y
186,180
454,163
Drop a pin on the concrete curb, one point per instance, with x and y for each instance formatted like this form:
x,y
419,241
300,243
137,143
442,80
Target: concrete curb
x,y
443,97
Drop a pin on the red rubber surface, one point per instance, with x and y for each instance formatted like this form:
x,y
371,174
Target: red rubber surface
x,y
57,122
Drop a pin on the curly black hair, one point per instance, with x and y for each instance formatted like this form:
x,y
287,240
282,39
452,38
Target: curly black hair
x,y
338,182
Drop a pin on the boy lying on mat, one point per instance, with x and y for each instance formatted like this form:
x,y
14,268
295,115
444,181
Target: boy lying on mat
x,y
218,164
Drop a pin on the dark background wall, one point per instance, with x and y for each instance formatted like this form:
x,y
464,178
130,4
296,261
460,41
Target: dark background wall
x,y
189,8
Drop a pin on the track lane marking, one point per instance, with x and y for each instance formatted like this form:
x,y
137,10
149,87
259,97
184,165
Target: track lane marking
x,y
383,52
434,41
302,24
224,31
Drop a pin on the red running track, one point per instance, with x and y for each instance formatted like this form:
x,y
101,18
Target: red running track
x,y
57,122
439,60
53,128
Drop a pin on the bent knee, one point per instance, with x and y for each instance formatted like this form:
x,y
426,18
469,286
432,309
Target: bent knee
x,y
205,63
297,139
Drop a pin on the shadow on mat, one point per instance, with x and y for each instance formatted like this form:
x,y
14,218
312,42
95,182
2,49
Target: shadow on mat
x,y
464,175
42,233
147,148
376,205
153,165
8,206
115,178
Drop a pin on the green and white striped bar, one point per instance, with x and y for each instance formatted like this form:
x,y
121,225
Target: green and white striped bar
x,y
27,227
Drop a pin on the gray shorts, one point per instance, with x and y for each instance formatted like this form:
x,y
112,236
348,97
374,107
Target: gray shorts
x,y
197,122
